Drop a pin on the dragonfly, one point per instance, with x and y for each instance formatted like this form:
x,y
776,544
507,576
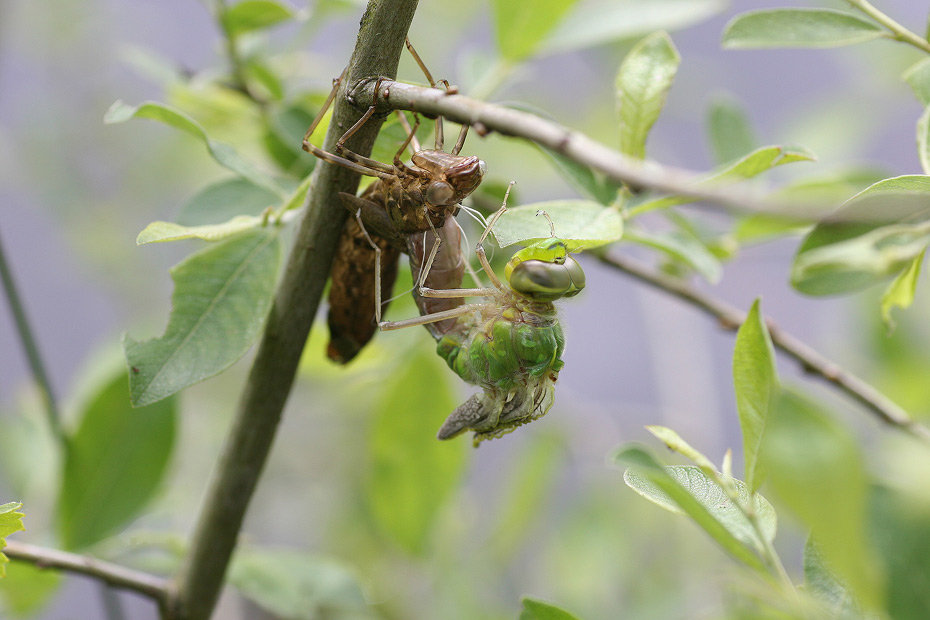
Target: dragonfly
x,y
418,197
510,343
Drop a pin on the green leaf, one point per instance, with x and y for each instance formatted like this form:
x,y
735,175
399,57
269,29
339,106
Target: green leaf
x,y
159,232
815,468
750,165
298,586
254,15
222,153
755,380
221,297
583,178
643,82
923,140
224,200
582,224
901,291
918,77
731,135
798,28
700,499
683,247
538,610
877,233
674,442
114,464
821,582
521,27
11,520
26,589
412,475
597,23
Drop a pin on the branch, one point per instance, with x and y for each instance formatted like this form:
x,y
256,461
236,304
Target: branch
x,y
811,361
900,32
380,41
619,168
155,588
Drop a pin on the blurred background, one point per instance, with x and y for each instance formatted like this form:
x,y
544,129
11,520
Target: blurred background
x,y
539,512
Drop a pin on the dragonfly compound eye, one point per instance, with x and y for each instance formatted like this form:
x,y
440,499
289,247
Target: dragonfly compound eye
x,y
440,193
544,281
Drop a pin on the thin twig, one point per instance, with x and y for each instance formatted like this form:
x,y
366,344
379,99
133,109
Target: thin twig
x,y
486,117
31,348
900,32
155,588
380,40
811,361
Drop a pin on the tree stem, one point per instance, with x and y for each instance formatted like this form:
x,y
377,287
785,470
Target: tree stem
x,y
155,588
31,348
811,361
380,41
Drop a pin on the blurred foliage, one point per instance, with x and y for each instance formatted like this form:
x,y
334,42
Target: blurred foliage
x,y
380,519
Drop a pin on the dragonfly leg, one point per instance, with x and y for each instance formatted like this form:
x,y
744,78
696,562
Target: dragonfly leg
x,y
440,138
435,317
413,143
479,250
377,249
411,137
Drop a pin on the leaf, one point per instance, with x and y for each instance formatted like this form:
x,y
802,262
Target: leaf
x,y
717,517
254,15
815,468
798,28
918,77
821,582
876,233
582,224
923,140
675,443
750,165
583,178
643,82
729,130
222,153
11,520
115,462
683,247
538,610
26,589
755,380
613,20
221,297
224,200
521,27
298,586
412,475
901,291
159,232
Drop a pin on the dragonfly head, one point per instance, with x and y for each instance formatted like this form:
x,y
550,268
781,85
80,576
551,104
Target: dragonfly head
x,y
545,271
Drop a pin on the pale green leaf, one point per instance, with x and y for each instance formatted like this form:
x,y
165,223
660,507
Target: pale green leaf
x,y
821,582
923,140
222,153
583,178
642,84
538,610
254,15
158,232
582,224
702,500
26,589
115,463
877,233
918,77
11,520
798,28
224,200
683,247
755,381
411,474
221,297
816,469
746,167
298,586
521,27
605,21
675,443
901,291
729,130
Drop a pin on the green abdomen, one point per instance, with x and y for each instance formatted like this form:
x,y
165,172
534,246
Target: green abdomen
x,y
503,353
